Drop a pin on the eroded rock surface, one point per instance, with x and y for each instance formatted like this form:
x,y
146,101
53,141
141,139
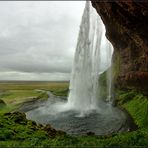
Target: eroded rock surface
x,y
127,28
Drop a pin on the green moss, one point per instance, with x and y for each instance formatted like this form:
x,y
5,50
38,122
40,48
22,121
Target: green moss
x,y
124,97
136,104
103,83
14,128
116,65
138,108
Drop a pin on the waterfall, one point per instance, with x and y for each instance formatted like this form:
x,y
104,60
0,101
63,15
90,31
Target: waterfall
x,y
86,103
91,75
92,57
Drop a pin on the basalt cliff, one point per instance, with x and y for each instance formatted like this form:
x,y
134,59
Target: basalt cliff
x,y
126,25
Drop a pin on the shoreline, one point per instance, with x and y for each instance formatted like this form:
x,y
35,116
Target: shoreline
x,y
128,124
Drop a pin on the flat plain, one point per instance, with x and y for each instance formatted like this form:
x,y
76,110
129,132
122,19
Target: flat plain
x,y
14,93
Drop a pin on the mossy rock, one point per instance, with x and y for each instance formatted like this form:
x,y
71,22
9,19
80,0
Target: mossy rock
x,y
2,103
53,132
17,117
127,96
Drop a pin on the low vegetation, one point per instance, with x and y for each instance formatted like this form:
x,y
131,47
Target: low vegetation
x,y
14,94
14,99
24,85
17,131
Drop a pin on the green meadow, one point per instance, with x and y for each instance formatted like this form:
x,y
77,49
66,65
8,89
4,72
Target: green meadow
x,y
14,94
17,131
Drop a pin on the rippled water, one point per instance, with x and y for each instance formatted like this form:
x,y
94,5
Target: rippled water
x,y
55,112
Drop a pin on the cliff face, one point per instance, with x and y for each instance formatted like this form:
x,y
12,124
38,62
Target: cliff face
x,y
127,28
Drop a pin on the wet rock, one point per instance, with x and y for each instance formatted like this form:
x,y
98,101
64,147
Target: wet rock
x,y
126,28
60,132
52,132
40,125
18,117
33,123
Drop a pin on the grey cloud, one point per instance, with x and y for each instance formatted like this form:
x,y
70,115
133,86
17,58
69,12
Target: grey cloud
x,y
38,37
13,75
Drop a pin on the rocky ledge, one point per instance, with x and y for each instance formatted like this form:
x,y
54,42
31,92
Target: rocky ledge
x,y
127,29
20,119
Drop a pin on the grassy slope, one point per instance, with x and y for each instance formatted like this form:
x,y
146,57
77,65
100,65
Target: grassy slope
x,y
15,98
14,94
23,134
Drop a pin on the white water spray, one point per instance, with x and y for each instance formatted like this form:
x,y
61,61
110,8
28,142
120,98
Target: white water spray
x,y
92,57
85,104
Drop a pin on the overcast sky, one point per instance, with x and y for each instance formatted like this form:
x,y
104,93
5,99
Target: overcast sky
x,y
38,39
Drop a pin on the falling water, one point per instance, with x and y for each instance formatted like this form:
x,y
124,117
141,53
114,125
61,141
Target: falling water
x,y
92,57
85,109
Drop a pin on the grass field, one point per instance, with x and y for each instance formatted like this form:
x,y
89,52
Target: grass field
x,y
17,131
31,85
15,93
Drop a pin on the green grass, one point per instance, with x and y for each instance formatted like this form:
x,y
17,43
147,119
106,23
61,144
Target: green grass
x,y
138,108
61,92
16,131
18,96
52,86
14,94
15,98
